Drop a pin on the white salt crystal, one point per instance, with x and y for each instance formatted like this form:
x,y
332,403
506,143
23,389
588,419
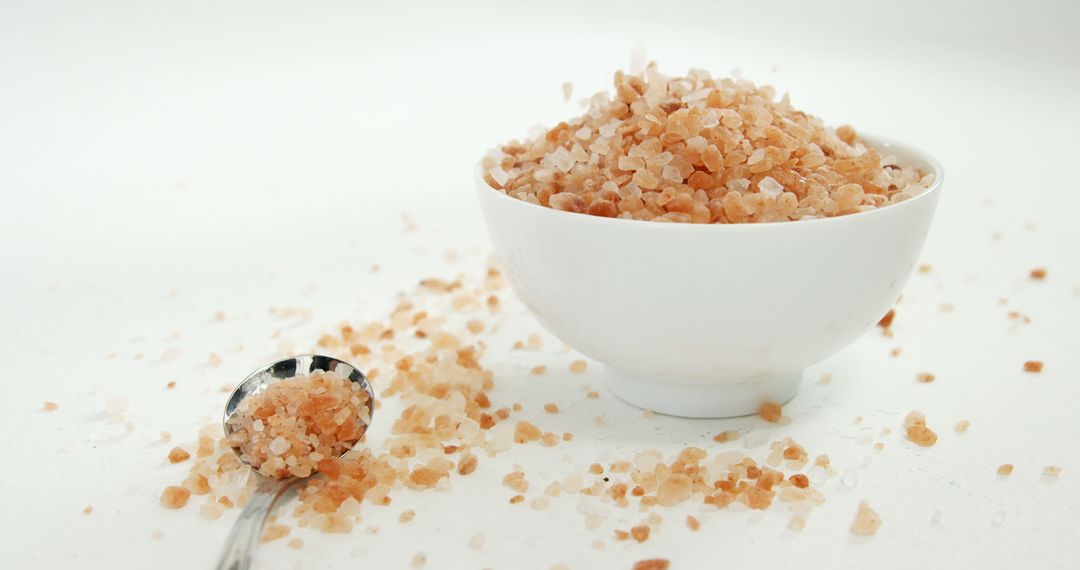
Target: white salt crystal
x,y
560,158
755,157
499,175
850,479
279,446
710,119
578,153
770,187
477,541
608,130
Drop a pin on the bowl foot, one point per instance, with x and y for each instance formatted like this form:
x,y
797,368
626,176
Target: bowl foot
x,y
702,400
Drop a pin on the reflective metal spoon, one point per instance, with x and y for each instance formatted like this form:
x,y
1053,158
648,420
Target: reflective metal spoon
x,y
239,551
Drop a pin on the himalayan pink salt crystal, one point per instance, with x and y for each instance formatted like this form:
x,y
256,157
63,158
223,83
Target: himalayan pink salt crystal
x,y
296,543
176,455
175,497
418,560
847,196
674,489
50,406
568,202
770,187
1052,471
866,521
797,522
917,432
212,510
770,412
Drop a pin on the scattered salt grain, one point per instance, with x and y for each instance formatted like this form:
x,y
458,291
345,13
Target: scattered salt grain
x,y
866,521
477,541
1052,471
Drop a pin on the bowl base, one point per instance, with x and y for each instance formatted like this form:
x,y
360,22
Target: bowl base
x,y
702,400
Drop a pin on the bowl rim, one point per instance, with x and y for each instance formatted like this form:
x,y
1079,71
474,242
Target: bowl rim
x,y
876,142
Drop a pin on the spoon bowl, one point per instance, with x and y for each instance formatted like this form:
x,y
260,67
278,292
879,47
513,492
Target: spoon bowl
x,y
239,553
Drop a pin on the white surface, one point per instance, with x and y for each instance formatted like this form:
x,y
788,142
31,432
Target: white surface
x,y
248,155
719,318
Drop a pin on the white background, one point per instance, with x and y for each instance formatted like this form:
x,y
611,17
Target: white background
x,y
160,162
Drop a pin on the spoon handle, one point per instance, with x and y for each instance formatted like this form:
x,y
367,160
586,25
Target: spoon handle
x,y
239,553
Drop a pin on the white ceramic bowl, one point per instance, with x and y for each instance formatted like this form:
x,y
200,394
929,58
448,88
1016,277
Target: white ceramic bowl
x,y
709,320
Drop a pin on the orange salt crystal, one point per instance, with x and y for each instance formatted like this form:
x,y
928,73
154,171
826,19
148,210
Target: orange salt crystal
x,y
516,481
406,516
692,522
1038,274
795,452
551,408
726,436
1005,469
799,480
517,499
1033,366
578,366
176,455
887,320
466,465
175,497
866,521
51,406
538,370
917,432
674,489
275,531
640,533
424,477
770,412
1052,470
925,377
88,509
961,426
652,564
525,432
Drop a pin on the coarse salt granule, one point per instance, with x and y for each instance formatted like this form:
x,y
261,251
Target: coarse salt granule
x,y
917,432
866,520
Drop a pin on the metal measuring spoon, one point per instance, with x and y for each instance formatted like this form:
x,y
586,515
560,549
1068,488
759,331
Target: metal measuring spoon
x,y
239,550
